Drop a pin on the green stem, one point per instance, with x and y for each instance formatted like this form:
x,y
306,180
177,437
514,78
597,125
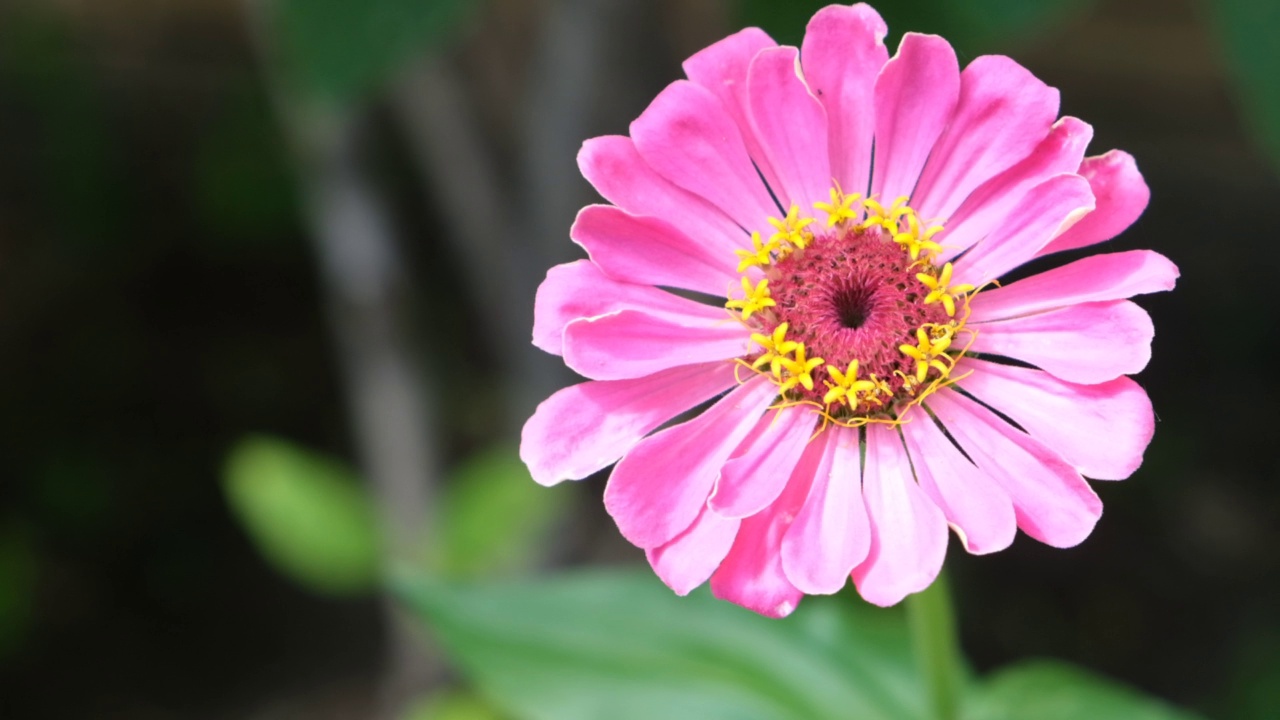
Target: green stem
x,y
937,648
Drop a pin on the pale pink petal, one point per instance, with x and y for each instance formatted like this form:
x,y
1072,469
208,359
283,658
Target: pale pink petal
x,y
754,477
612,165
587,427
651,251
989,206
688,137
1121,194
978,509
842,54
791,126
1046,210
581,290
1053,503
915,96
660,486
908,532
1101,429
830,535
1092,279
1088,343
687,561
752,575
1003,113
634,343
722,68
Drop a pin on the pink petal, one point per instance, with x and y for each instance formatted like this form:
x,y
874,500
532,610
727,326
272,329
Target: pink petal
x,y
758,472
990,205
581,290
1046,210
651,251
915,95
1092,279
978,509
1102,429
612,165
1003,113
587,427
752,574
722,69
1121,194
908,532
830,535
687,561
842,54
1053,503
688,137
1088,343
659,488
791,126
634,343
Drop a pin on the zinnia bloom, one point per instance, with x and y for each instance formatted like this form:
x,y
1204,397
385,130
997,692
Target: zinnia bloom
x,y
856,213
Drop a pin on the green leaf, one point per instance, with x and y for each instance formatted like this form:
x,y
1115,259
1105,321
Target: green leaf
x,y
308,515
494,519
618,644
17,588
452,705
1248,29
1050,690
973,26
339,50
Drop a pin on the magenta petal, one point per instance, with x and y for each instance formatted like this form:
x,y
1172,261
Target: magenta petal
x,y
758,472
1101,429
1046,210
830,535
791,126
722,69
659,488
842,54
688,137
634,343
989,206
908,532
581,290
1053,503
1092,279
915,95
612,165
1003,113
688,560
1088,343
586,427
1121,195
651,251
978,509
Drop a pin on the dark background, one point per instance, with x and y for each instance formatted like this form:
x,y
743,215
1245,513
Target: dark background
x,y
161,299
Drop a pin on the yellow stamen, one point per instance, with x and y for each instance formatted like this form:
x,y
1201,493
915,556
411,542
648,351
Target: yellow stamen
x,y
800,370
776,349
760,255
840,208
754,300
791,229
845,387
941,289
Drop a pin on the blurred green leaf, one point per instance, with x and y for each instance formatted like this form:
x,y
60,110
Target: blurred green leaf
x,y
1248,29
308,515
494,519
1048,690
974,27
620,645
452,705
339,50
17,589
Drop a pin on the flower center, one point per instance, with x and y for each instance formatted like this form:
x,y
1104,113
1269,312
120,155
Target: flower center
x,y
855,318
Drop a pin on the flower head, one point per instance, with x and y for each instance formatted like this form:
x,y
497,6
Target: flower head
x,y
876,383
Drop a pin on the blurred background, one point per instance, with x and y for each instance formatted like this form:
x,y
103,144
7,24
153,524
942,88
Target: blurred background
x,y
266,283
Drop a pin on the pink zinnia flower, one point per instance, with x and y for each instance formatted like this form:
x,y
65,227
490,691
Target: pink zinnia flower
x,y
856,211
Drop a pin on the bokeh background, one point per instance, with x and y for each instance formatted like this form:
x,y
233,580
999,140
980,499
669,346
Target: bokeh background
x,y
266,281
